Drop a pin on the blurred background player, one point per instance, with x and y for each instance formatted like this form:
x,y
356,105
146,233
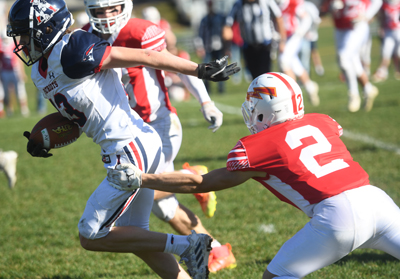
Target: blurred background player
x,y
8,164
209,43
351,19
255,19
12,77
298,22
389,17
148,96
309,49
177,91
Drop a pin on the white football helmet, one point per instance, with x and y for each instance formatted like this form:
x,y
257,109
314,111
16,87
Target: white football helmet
x,y
272,98
111,24
151,14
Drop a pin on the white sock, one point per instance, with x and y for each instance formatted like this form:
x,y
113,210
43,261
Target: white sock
x,y
215,243
367,87
310,86
176,244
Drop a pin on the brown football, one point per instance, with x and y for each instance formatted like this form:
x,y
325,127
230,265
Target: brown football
x,y
55,131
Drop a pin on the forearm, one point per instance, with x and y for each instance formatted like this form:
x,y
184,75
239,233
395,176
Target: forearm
x,y
172,182
196,87
121,57
215,180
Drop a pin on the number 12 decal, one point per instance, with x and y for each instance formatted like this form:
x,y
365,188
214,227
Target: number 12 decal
x,y
308,153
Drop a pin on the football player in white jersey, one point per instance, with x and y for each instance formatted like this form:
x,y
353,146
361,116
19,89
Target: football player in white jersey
x,y
298,22
111,20
75,71
300,159
390,24
351,18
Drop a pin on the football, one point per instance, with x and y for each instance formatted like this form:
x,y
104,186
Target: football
x,y
55,131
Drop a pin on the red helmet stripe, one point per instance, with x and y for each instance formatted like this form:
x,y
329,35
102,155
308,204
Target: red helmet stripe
x,y
290,89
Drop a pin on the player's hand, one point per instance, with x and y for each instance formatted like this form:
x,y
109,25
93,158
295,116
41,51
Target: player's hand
x,y
217,70
125,177
36,150
213,115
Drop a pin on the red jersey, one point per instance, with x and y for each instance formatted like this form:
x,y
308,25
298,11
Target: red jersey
x,y
145,86
349,10
290,11
8,60
305,161
391,16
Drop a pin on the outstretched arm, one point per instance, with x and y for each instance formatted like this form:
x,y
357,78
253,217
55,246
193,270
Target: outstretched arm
x,y
121,57
215,180
128,177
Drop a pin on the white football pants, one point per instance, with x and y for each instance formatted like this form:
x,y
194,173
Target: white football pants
x,y
364,217
107,206
349,43
170,132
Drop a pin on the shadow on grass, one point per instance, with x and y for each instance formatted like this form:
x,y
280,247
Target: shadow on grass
x,y
103,275
365,257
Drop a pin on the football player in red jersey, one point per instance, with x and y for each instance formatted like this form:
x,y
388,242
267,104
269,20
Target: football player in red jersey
x,y
111,20
351,19
300,159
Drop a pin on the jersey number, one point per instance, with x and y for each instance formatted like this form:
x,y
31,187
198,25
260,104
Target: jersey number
x,y
308,153
62,103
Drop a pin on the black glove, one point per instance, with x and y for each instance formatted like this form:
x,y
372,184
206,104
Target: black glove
x,y
217,70
36,150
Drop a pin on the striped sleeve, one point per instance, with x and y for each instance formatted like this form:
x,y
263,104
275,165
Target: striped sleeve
x,y
237,158
154,38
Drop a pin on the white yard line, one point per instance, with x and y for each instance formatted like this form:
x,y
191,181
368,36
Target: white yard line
x,y
346,133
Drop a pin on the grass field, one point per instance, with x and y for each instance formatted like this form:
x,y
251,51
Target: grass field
x,y
39,235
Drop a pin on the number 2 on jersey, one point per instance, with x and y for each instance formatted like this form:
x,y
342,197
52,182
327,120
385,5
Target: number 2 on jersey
x,y
308,153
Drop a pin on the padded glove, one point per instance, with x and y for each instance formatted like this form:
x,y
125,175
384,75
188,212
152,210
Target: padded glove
x,y
125,177
213,115
36,150
217,70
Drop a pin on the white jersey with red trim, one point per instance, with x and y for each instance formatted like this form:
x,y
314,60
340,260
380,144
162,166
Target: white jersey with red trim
x,y
305,161
145,86
96,100
391,15
345,12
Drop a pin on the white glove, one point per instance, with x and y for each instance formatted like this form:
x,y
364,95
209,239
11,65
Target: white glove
x,y
125,177
213,115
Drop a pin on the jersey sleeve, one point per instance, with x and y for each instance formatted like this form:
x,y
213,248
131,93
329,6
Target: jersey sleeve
x,y
140,33
237,158
336,126
154,38
84,54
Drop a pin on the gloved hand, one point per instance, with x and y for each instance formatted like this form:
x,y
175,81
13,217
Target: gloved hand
x,y
217,70
36,150
125,177
213,115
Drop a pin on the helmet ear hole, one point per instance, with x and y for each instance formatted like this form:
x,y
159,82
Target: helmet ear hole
x,y
49,29
260,117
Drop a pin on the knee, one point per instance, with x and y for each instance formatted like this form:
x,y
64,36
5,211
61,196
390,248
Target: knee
x,y
187,217
165,208
85,243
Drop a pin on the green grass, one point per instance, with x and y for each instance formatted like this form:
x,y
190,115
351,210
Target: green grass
x,y
39,235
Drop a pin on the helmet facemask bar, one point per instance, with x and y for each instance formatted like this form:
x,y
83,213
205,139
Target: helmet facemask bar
x,y
108,25
249,117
